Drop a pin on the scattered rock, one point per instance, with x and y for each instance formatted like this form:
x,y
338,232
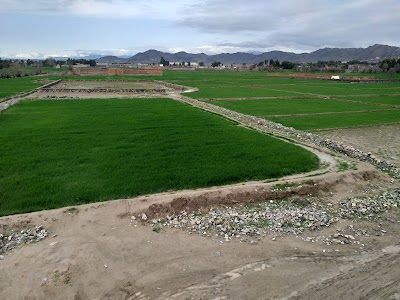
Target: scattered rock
x,y
369,207
245,222
24,236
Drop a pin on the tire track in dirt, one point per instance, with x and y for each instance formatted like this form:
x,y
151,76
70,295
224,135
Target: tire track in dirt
x,y
376,276
373,275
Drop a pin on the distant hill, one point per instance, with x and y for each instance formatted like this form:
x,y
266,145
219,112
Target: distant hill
x,y
111,59
375,52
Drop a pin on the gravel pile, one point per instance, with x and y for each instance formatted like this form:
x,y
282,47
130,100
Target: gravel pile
x,y
250,221
369,207
246,222
25,236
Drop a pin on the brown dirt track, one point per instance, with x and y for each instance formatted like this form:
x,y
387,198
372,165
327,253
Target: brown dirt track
x,y
99,252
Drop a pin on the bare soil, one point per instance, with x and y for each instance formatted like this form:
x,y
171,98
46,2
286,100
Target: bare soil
x,y
91,95
104,84
382,141
87,89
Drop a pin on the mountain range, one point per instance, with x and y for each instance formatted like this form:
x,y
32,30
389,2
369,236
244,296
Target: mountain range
x,y
375,52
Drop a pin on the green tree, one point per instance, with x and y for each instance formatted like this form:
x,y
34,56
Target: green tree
x,y
216,64
164,62
49,62
288,65
391,72
277,64
387,64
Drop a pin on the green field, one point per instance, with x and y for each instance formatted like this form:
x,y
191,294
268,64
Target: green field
x,y
312,122
259,84
293,106
372,103
69,152
13,86
391,100
343,96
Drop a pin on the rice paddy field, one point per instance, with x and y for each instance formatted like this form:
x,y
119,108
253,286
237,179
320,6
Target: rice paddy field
x,y
13,86
300,103
57,153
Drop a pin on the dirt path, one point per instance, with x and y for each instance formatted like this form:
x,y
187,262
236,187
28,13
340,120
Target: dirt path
x,y
357,271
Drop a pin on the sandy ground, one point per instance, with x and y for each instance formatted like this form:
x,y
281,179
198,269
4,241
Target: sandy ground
x,y
99,252
382,141
104,84
91,95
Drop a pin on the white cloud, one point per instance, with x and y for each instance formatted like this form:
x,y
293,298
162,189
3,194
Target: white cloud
x,y
69,53
152,9
210,26
293,24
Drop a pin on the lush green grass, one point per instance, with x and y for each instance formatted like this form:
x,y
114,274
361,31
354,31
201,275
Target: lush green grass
x,y
13,86
237,92
392,100
256,84
327,88
259,84
56,153
310,122
293,106
222,85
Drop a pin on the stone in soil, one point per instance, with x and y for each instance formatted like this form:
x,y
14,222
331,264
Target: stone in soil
x,y
25,236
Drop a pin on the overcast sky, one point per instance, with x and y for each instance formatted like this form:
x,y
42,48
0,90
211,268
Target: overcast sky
x,y
40,28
